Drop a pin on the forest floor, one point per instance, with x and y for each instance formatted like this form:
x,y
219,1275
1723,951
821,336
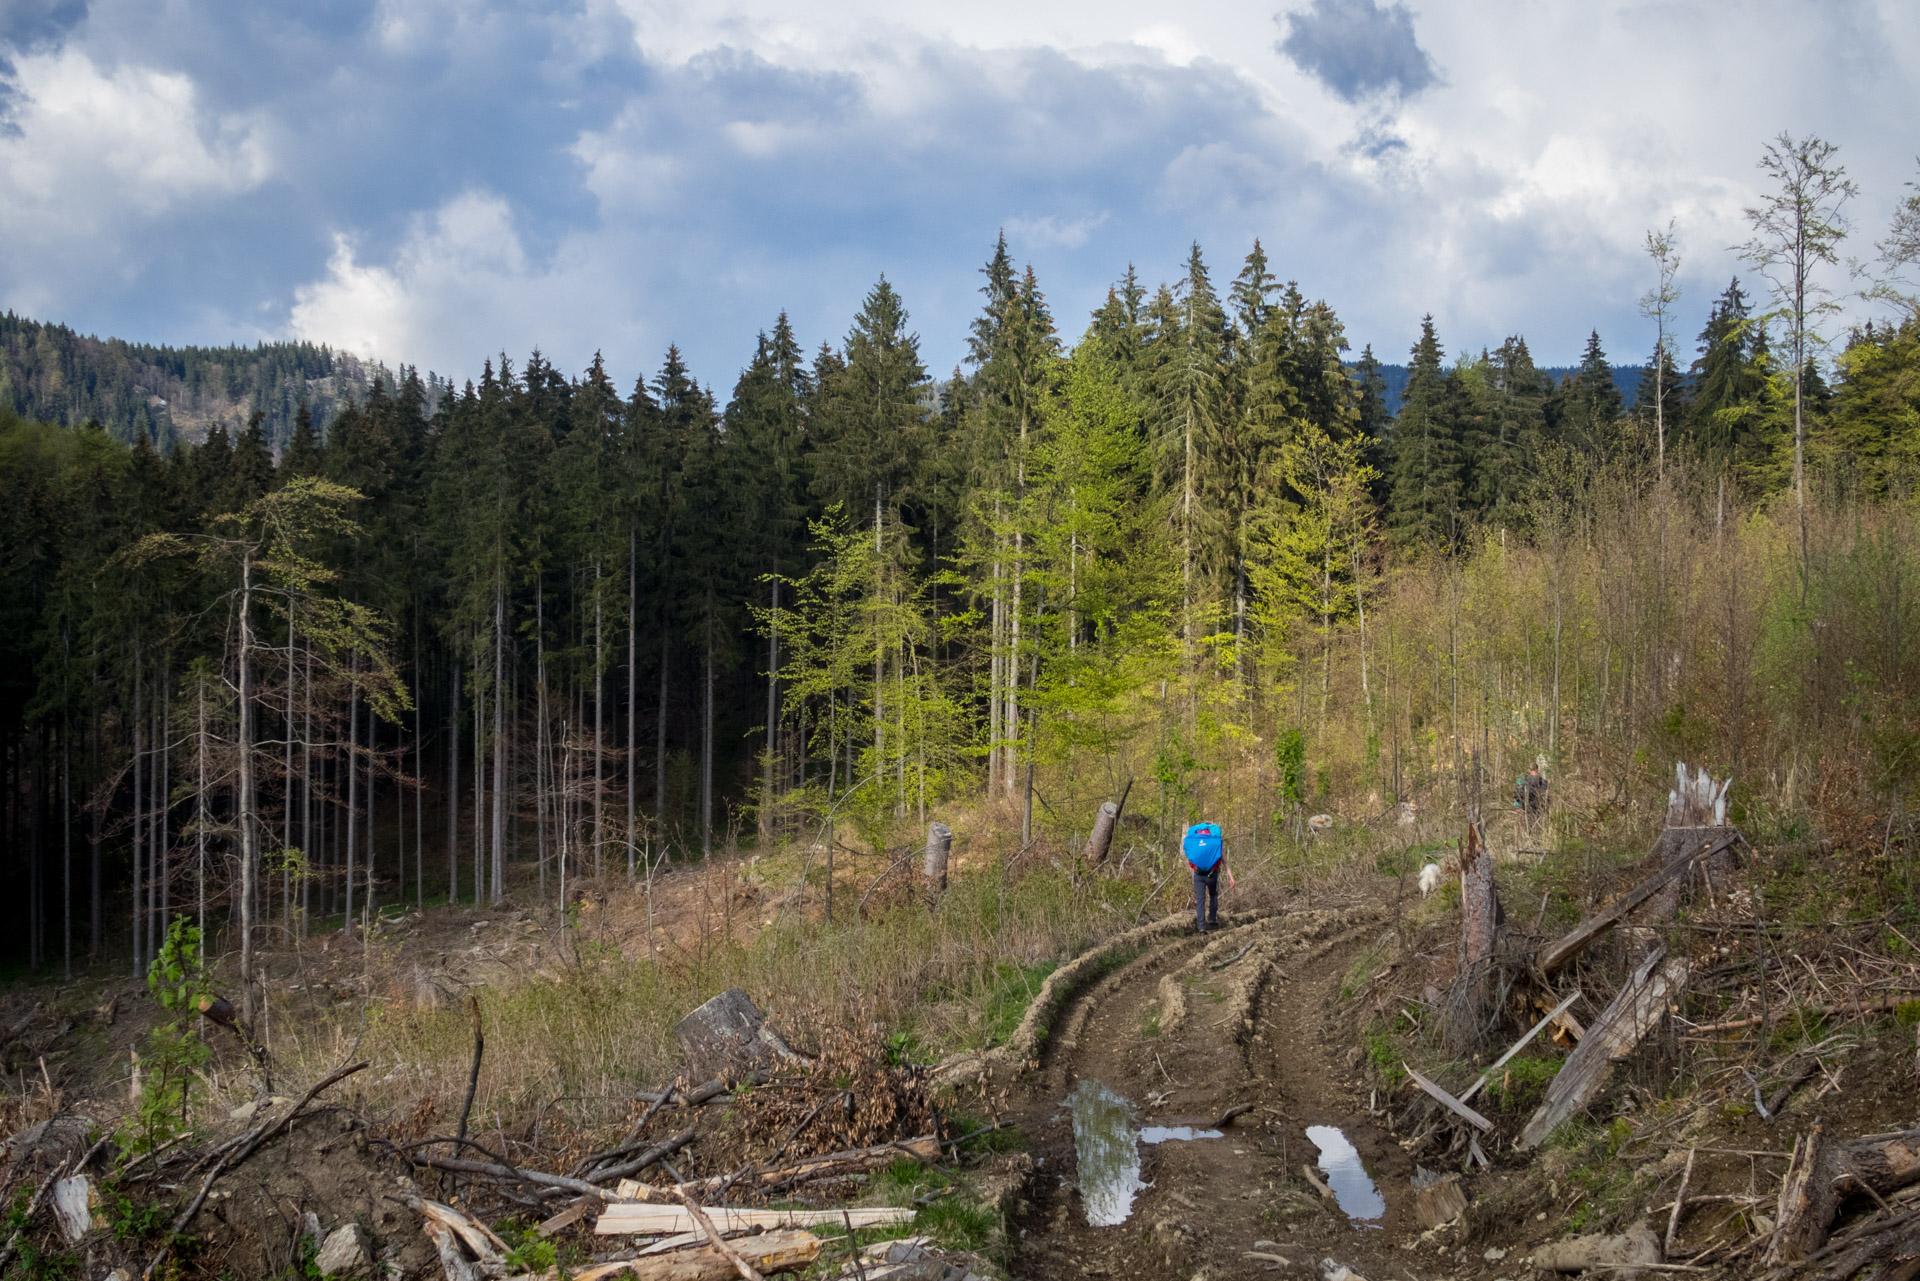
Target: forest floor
x,y
1297,1013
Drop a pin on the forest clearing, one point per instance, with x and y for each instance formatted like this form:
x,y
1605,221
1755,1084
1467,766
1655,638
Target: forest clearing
x,y
532,829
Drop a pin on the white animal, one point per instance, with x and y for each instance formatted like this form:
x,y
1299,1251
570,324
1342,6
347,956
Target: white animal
x,y
1429,879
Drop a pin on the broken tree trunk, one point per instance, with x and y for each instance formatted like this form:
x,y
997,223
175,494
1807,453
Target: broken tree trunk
x,y
939,848
1100,840
1824,1173
1556,954
1473,998
1635,1011
728,1036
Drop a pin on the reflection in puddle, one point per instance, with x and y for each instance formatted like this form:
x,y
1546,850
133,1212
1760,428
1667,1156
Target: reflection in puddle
x,y
1109,1158
1164,1133
1340,1162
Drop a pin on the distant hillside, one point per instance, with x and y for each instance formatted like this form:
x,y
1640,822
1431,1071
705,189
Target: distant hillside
x,y
51,373
1625,377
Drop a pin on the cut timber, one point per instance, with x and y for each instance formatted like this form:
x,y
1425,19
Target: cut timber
x,y
665,1220
1452,1104
939,848
1625,1255
728,1036
1634,1012
1557,954
787,1251
1824,1173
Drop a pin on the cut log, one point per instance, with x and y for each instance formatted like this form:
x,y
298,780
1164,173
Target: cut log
x,y
728,1036
939,848
664,1220
1446,1100
1635,1011
1625,1255
1823,1173
1556,954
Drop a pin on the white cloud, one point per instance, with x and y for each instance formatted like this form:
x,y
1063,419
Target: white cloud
x,y
91,150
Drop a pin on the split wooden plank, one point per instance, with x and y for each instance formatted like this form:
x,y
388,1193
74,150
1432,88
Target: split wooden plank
x,y
1565,1005
1446,1100
665,1220
1634,1012
787,1251
1556,955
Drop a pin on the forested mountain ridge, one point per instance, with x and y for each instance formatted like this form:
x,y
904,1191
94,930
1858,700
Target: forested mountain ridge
x,y
50,373
547,628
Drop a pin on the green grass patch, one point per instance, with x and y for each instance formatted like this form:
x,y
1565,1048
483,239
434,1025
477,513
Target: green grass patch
x,y
1014,988
1522,1082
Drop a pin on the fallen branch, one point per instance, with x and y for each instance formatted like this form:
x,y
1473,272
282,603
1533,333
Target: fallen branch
x,y
640,1219
1565,1005
1447,1101
236,1154
923,1148
1319,1185
1680,1201
1557,954
1823,1173
658,1152
746,1270
1883,1006
454,1165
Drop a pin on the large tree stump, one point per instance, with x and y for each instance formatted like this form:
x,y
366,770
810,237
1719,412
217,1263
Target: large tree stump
x,y
1471,1004
728,1037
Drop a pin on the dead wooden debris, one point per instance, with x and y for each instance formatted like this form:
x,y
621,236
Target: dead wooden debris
x,y
1822,1173
1635,1011
635,1218
1447,1101
233,1154
1566,1003
834,1164
1557,954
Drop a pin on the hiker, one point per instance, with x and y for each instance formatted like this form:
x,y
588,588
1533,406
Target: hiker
x,y
1531,794
1207,856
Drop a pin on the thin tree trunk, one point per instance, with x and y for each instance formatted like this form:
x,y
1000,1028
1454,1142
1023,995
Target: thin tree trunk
x,y
540,794
249,851
202,818
660,751
499,739
139,822
633,679
599,722
163,861
773,681
706,743
453,789
351,817
94,859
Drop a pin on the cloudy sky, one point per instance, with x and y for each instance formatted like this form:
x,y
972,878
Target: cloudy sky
x,y
433,180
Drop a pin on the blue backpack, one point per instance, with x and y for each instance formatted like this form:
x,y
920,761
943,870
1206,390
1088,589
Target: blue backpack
x,y
1202,846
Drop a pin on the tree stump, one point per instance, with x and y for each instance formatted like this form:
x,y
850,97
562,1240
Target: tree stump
x,y
1100,840
728,1037
939,846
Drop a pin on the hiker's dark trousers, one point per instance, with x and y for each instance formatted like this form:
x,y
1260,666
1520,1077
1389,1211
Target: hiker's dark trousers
x,y
1206,897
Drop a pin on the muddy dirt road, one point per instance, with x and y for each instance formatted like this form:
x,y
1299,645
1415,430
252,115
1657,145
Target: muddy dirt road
x,y
1191,1029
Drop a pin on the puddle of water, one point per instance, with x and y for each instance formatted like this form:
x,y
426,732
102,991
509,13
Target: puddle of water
x,y
1352,1188
1106,1146
1164,1133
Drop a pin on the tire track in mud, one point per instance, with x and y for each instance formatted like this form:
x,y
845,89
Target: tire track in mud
x,y
1249,1014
